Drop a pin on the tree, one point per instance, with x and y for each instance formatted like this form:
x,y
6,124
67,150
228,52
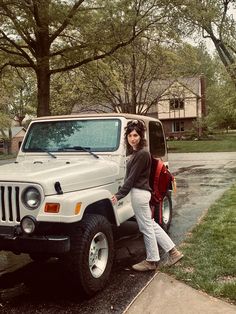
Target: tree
x,y
127,81
214,19
17,100
131,80
5,120
221,100
192,60
56,36
67,90
19,90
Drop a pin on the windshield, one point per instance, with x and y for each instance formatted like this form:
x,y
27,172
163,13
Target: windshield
x,y
94,135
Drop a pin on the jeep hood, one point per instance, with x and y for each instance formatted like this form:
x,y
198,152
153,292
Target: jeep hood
x,y
73,176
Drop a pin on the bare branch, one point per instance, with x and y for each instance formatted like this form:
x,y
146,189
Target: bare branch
x,y
16,65
68,49
12,52
66,21
223,19
231,48
22,32
18,47
97,57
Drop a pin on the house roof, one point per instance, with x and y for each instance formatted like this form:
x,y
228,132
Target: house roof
x,y
155,88
158,87
16,129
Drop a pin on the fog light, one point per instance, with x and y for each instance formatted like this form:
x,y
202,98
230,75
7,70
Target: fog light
x,y
28,224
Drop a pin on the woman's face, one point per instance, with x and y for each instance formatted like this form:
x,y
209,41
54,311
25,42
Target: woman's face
x,y
133,139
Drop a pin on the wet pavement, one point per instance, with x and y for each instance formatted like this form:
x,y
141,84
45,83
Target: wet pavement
x,y
29,287
201,179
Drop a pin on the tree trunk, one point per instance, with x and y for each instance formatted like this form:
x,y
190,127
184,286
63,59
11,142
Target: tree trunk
x,y
225,56
133,86
9,142
43,58
43,82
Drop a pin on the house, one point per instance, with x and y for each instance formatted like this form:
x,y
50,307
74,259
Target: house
x,y
17,134
180,104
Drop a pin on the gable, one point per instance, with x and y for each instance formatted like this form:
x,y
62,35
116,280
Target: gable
x,y
21,133
187,88
17,131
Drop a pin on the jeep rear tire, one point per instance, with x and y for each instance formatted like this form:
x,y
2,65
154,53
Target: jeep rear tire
x,y
91,255
166,211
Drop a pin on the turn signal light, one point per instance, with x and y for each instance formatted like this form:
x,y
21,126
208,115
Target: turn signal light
x,y
77,208
52,208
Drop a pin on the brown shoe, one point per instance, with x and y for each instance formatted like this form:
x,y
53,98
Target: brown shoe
x,y
174,257
145,266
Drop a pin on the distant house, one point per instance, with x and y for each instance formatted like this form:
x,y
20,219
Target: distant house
x,y
17,133
180,103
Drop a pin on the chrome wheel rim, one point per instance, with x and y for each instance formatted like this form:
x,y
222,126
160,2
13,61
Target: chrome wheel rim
x,y
166,211
98,255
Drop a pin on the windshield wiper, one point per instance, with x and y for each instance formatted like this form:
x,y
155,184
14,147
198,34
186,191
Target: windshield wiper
x,y
85,149
39,149
81,148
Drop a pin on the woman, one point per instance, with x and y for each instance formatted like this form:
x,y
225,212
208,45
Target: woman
x,y
137,183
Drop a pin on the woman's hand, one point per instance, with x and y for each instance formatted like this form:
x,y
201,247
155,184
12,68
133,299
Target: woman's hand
x,y
114,200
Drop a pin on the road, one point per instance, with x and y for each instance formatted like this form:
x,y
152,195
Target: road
x,y
27,287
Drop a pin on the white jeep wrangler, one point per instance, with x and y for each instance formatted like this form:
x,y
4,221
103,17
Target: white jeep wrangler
x,y
55,200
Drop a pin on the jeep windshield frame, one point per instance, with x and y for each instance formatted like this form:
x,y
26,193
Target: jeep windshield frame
x,y
95,135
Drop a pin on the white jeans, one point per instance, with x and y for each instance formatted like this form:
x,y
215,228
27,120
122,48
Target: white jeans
x,y
152,232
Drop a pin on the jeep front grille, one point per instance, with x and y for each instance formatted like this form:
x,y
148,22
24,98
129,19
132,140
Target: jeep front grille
x,y
9,203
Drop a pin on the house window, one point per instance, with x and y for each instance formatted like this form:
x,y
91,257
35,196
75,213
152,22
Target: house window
x,y
178,126
1,144
176,103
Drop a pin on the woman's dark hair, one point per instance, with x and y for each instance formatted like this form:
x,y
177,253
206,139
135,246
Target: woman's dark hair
x,y
139,127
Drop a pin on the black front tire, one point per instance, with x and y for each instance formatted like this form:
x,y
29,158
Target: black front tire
x,y
91,255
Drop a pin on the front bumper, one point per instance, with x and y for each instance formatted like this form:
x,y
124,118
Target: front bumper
x,y
50,244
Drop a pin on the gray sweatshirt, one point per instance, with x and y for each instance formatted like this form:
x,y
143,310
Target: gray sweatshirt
x,y
137,173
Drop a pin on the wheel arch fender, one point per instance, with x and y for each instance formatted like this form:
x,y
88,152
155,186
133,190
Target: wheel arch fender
x,y
104,208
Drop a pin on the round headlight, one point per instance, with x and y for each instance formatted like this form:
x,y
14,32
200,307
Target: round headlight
x,y
31,198
28,224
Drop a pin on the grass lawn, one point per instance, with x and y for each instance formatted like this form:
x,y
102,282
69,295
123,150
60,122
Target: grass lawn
x,y
209,262
219,143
